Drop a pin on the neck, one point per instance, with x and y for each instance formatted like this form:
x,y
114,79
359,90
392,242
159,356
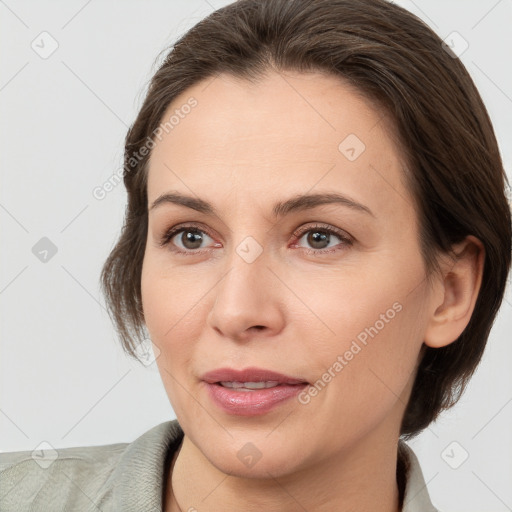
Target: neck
x,y
362,478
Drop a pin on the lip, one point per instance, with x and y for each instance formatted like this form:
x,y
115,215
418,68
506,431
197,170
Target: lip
x,y
249,375
250,403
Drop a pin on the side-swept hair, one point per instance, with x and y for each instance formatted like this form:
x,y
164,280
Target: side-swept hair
x,y
454,168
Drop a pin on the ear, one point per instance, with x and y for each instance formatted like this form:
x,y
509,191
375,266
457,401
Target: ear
x,y
456,293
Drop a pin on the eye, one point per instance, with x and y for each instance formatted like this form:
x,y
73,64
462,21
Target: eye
x,y
189,239
185,239
322,239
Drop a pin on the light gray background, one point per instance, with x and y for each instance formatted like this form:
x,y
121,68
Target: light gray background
x,y
64,378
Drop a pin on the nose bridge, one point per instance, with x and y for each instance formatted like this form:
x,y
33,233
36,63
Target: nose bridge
x,y
247,275
244,298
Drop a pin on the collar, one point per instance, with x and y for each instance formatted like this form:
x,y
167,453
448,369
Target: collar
x,y
142,471
416,497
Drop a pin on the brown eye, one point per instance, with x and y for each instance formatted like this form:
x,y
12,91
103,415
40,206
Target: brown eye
x,y
321,239
317,239
190,238
185,239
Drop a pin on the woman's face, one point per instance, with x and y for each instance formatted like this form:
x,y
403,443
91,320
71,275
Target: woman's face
x,y
331,293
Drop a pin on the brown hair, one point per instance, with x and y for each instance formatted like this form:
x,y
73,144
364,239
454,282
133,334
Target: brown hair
x,y
455,172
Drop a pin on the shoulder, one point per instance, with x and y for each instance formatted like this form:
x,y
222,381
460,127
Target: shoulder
x,y
54,477
86,478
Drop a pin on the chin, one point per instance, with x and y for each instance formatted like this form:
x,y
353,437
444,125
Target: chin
x,y
253,456
268,466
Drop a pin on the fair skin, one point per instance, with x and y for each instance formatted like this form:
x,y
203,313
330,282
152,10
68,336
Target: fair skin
x,y
243,148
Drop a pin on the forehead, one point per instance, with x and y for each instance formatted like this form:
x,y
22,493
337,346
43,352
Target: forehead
x,y
289,131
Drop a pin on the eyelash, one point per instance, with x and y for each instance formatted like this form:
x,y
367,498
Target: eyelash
x,y
323,228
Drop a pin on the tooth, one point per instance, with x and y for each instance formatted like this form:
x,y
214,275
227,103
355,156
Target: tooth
x,y
254,385
260,385
243,386
229,384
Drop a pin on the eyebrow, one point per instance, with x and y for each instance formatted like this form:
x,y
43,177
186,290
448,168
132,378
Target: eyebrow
x,y
280,209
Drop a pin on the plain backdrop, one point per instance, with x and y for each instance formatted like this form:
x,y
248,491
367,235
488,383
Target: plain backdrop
x,y
73,76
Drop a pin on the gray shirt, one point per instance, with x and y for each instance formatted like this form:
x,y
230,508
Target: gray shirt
x,y
124,476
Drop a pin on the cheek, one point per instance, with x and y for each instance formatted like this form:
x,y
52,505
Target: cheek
x,y
362,364
170,310
376,298
175,303
165,311
378,370
170,296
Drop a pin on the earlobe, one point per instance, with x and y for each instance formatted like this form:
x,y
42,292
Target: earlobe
x,y
461,282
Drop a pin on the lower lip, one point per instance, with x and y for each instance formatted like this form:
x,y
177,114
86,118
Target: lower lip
x,y
252,403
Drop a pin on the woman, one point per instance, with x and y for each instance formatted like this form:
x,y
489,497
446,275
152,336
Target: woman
x,y
317,240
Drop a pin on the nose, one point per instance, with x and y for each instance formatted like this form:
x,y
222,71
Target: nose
x,y
248,302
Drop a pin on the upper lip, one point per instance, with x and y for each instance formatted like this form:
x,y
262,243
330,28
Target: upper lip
x,y
248,375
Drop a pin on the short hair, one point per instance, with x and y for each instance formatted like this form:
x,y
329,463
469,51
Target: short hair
x,y
454,170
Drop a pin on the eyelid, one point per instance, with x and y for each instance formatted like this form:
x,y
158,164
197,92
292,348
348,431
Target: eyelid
x,y
174,230
323,227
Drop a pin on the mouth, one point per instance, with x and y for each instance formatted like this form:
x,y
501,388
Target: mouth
x,y
250,378
252,391
249,386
